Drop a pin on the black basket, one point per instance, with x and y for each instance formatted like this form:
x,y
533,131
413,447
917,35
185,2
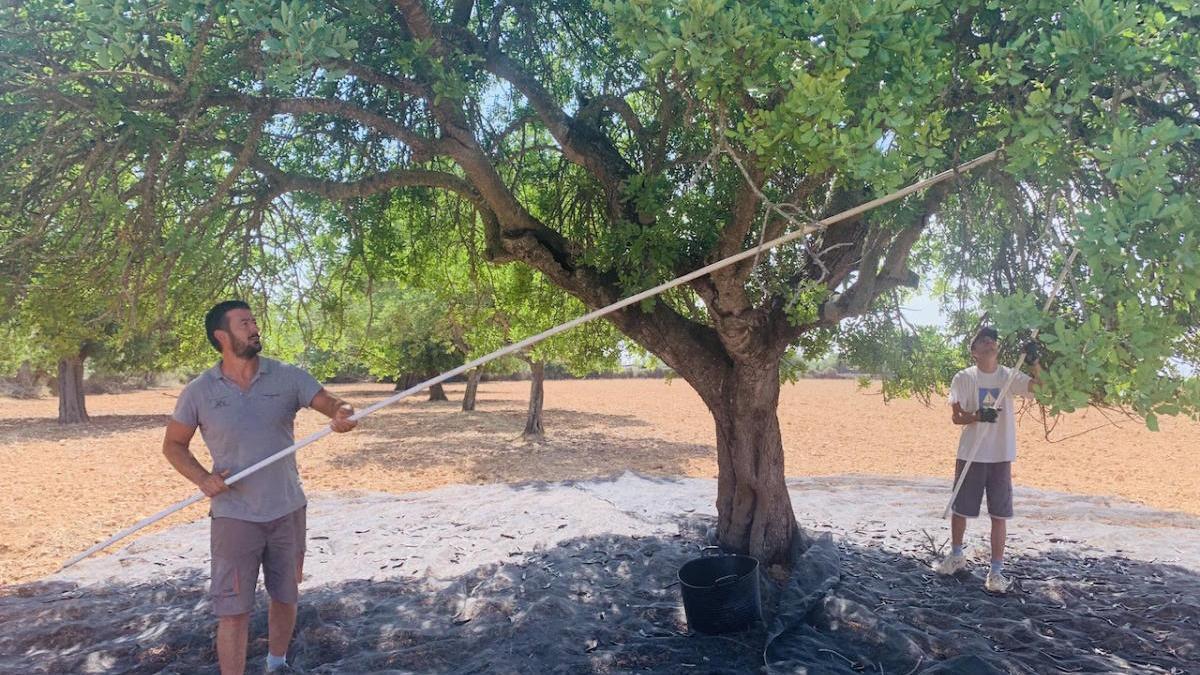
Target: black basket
x,y
720,592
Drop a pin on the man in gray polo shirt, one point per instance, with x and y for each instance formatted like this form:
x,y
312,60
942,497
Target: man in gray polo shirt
x,y
245,407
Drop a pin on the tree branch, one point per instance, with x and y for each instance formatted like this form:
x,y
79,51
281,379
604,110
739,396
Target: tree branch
x,y
582,143
461,12
369,75
617,104
875,279
336,108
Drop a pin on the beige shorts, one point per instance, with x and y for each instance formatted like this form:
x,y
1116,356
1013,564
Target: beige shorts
x,y
241,547
991,478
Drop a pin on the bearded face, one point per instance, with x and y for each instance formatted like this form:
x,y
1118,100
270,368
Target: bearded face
x,y
244,338
247,348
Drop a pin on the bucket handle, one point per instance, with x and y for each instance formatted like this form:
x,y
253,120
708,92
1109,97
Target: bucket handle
x,y
725,581
711,551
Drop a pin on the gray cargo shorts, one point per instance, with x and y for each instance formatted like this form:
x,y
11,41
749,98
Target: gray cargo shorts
x,y
991,478
240,547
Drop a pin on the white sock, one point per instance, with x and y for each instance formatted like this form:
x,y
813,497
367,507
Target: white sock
x,y
997,566
274,662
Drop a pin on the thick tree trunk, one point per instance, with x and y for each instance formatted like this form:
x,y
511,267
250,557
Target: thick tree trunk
x,y
533,423
437,393
753,507
71,408
472,389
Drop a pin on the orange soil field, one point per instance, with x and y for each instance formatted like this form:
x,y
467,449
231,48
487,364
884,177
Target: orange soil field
x,y
63,488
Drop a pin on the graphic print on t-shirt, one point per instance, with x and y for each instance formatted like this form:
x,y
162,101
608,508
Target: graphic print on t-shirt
x,y
988,396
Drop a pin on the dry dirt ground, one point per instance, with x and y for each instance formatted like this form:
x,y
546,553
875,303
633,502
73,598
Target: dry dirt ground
x,y
63,488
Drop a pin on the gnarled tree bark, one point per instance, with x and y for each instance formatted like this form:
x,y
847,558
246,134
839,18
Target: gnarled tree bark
x,y
754,510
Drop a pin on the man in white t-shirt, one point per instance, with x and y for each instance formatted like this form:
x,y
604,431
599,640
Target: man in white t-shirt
x,y
988,420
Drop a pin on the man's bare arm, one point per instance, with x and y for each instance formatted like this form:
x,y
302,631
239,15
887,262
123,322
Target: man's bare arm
x,y
175,448
337,410
960,416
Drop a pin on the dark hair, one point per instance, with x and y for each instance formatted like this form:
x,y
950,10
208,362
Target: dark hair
x,y
215,319
988,332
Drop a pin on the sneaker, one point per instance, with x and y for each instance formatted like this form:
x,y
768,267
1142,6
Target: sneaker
x,y
951,564
996,582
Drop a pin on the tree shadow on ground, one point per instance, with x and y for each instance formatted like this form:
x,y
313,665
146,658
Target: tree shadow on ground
x,y
608,604
888,612
488,447
48,428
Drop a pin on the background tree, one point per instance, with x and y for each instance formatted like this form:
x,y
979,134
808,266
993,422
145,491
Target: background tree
x,y
524,303
613,145
79,294
462,308
490,307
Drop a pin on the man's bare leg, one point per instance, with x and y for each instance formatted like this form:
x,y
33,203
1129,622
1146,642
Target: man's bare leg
x,y
281,621
999,534
958,529
233,632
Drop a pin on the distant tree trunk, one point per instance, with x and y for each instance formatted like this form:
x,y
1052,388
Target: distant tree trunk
x,y
28,381
472,389
533,423
406,380
436,392
71,407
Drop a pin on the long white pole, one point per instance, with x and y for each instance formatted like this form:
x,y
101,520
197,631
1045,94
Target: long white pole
x,y
590,316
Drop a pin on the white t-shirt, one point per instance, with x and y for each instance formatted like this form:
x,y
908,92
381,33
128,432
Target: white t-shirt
x,y
973,389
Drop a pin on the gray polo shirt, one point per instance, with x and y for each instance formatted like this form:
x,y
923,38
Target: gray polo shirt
x,y
241,428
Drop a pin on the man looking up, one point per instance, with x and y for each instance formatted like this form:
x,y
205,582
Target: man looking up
x,y
987,420
245,407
